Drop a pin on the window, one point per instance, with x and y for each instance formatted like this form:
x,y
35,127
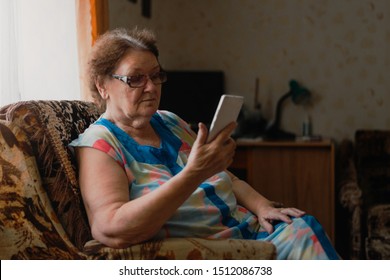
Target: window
x,y
38,50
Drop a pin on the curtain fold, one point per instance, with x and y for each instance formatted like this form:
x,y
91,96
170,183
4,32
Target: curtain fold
x,y
92,21
36,38
9,75
99,18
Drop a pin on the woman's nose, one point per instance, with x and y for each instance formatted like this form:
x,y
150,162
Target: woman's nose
x,y
149,84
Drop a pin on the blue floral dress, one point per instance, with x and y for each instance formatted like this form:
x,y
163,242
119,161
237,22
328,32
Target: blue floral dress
x,y
212,210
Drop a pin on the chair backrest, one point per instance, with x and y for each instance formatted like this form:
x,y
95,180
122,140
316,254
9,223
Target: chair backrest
x,y
50,127
373,165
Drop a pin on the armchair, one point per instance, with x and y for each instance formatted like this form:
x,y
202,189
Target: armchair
x,y
365,193
42,215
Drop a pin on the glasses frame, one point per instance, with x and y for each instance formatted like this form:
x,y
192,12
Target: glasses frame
x,y
145,77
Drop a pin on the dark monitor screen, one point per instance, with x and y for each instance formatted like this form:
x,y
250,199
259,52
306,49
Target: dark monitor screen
x,y
193,95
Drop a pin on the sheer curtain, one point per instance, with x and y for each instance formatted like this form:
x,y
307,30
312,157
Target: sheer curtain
x,y
39,58
92,21
9,83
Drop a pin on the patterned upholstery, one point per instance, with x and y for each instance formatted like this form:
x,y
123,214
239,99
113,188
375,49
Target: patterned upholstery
x,y
186,248
41,211
365,191
28,226
351,199
50,126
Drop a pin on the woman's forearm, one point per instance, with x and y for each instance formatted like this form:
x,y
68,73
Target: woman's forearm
x,y
247,196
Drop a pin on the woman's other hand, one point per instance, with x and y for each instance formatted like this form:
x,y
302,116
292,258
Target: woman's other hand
x,y
268,214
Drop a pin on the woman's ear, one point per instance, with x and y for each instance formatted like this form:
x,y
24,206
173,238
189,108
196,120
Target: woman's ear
x,y
99,82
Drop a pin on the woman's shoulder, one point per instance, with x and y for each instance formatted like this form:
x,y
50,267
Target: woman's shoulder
x,y
174,121
96,131
169,116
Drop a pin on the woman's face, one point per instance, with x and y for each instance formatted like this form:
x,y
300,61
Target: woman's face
x,y
125,102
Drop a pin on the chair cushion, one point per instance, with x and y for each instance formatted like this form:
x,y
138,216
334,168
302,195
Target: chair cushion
x,y
50,126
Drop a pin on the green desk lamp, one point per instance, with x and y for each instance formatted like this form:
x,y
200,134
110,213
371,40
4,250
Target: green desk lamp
x,y
298,95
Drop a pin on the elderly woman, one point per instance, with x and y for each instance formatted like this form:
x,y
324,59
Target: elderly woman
x,y
145,174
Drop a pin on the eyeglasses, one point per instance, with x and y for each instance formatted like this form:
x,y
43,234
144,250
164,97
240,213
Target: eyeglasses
x,y
139,81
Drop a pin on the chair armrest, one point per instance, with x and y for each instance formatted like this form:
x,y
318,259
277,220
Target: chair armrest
x,y
186,249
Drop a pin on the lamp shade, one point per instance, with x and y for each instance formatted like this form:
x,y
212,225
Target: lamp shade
x,y
299,95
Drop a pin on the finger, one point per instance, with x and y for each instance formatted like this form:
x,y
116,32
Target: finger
x,y
230,149
232,152
201,136
225,133
300,211
292,212
285,218
230,142
278,215
266,225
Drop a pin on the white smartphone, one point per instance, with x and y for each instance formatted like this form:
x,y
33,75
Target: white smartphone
x,y
228,109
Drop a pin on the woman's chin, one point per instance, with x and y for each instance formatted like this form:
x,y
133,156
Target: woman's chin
x,y
149,109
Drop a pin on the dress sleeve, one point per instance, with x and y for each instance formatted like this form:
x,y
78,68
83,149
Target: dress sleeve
x,y
100,138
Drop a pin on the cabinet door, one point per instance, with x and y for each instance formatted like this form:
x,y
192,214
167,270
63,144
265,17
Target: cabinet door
x,y
298,175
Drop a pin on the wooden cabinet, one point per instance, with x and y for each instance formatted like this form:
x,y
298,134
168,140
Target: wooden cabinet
x,y
298,174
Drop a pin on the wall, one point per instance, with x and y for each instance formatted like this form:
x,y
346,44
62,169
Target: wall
x,y
338,49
